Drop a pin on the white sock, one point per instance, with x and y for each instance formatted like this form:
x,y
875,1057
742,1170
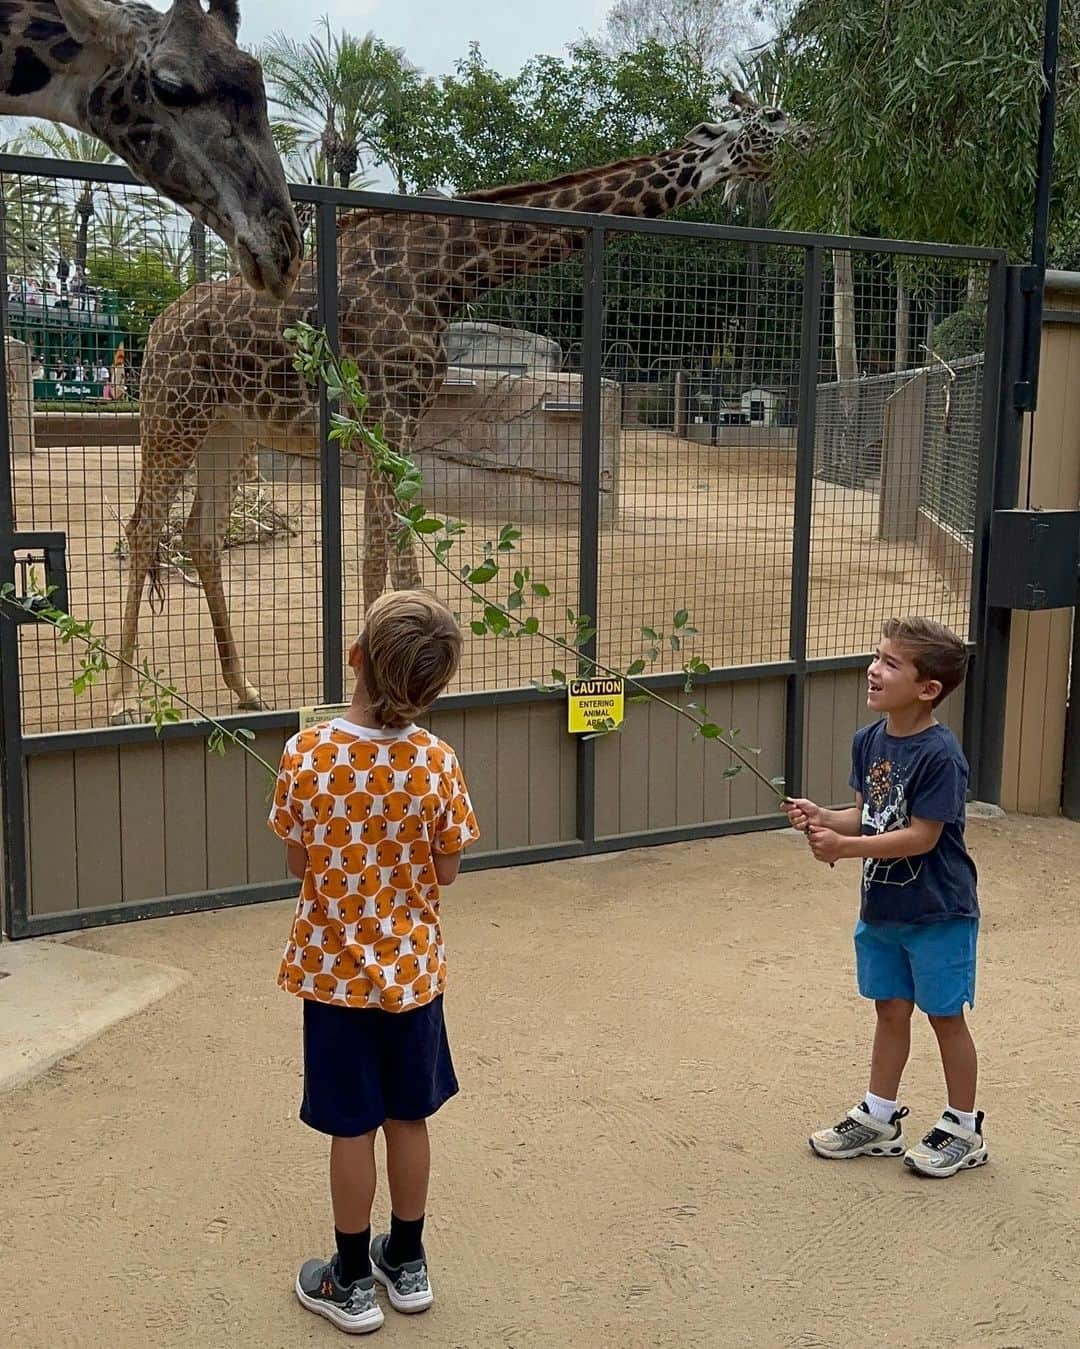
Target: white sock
x,y
967,1121
879,1108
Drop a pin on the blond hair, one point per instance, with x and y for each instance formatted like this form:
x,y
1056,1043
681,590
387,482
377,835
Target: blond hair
x,y
935,650
412,647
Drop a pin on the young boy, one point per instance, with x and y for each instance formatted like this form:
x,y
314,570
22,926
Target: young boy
x,y
375,813
916,934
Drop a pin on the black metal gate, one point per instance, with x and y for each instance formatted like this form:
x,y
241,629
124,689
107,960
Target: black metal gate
x,y
669,413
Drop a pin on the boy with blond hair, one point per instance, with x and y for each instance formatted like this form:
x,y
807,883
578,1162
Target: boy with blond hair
x,y
375,813
918,926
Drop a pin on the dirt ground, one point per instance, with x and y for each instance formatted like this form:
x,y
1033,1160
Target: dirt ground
x,y
696,527
643,1043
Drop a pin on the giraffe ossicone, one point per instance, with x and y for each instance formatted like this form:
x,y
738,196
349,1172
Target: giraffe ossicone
x,y
218,378
176,98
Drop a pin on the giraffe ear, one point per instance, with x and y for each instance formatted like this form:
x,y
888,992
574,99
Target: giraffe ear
x,y
98,22
740,100
228,11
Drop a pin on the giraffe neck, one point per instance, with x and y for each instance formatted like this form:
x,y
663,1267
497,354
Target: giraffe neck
x,y
44,71
483,254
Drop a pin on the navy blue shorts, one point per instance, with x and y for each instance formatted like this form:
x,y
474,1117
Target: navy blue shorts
x,y
363,1066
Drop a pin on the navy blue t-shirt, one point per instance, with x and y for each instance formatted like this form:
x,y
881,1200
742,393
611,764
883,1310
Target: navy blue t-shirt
x,y
900,779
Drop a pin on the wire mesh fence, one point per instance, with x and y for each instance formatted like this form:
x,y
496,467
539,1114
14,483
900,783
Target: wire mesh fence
x,y
157,421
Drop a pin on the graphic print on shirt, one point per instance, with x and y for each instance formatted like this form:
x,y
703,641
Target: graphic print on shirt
x,y
371,809
885,809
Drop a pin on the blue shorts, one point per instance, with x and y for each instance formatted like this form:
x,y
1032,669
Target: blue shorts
x,y
929,964
363,1066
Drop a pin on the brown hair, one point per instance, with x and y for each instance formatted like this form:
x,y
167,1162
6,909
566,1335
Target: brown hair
x,y
412,647
934,650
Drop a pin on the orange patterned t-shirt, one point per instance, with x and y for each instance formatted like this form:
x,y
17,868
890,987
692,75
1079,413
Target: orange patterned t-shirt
x,y
371,807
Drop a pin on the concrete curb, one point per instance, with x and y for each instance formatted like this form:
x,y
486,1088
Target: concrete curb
x,y
56,998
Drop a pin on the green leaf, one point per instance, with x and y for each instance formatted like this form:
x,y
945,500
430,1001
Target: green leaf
x,y
428,526
532,626
681,618
558,676
778,783
243,732
497,621
640,698
650,634
733,771
711,731
675,642
636,668
519,580
515,600
479,627
538,588
484,573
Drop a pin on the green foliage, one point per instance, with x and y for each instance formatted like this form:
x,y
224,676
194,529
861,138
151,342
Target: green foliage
x,y
926,119
961,334
144,283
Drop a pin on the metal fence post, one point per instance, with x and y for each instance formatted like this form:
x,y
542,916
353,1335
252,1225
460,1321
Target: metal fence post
x,y
592,335
1070,786
976,730
330,464
809,373
992,659
13,902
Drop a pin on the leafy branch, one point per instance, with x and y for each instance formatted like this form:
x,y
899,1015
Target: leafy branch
x,y
316,360
160,697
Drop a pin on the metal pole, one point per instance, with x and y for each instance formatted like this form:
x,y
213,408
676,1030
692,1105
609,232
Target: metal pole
x,y
592,335
1027,389
330,464
1070,791
809,373
14,902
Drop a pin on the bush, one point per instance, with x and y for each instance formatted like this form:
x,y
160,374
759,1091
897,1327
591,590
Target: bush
x,y
657,409
961,334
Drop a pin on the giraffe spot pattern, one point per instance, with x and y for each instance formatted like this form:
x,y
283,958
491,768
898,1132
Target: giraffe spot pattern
x,y
372,811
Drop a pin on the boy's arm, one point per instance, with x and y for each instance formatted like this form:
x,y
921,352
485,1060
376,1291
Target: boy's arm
x,y
296,859
919,837
447,866
805,815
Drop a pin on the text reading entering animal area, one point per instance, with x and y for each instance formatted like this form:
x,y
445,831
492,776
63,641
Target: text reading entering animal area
x,y
594,701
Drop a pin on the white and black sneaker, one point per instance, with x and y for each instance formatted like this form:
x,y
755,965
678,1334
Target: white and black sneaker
x,y
859,1134
949,1148
407,1285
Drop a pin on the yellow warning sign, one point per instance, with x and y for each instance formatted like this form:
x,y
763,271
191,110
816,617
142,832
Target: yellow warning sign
x,y
312,716
593,701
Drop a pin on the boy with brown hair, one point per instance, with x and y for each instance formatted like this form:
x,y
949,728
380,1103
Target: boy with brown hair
x,y
375,813
916,935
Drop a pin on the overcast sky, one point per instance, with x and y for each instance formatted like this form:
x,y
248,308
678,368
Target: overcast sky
x,y
435,33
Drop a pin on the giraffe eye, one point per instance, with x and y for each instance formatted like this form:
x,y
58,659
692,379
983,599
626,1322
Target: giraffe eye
x,y
173,89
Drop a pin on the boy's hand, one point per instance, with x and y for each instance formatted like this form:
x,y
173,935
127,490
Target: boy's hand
x,y
802,813
826,844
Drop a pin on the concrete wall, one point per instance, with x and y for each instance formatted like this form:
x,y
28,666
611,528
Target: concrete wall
x,y
20,395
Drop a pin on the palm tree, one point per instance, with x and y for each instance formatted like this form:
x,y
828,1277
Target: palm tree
x,y
60,142
331,90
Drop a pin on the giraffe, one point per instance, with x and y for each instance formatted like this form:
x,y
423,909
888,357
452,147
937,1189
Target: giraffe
x,y
175,97
218,377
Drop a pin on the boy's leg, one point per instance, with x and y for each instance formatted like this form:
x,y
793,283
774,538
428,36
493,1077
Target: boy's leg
x,y
352,1192
892,1045
943,962
874,1127
959,1061
408,1167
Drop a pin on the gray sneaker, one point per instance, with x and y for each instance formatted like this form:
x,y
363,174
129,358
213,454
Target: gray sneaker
x,y
949,1148
353,1308
408,1284
859,1134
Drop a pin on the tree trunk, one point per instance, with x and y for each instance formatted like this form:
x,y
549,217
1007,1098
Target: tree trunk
x,y
197,235
902,350
841,458
84,209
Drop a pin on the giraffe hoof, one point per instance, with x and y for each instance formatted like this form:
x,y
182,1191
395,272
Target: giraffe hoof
x,y
125,716
255,704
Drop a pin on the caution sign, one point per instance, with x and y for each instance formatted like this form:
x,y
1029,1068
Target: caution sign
x,y
312,716
594,700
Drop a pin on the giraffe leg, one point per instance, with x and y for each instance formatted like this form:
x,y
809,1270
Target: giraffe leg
x,y
375,546
381,530
220,467
157,489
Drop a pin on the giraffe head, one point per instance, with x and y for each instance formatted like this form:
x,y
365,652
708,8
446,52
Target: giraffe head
x,y
175,97
743,145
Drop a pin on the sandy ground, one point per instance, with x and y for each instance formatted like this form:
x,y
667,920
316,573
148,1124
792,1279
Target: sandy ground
x,y
698,528
626,1165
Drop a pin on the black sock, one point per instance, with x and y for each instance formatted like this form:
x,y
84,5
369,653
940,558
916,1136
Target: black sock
x,y
354,1255
405,1242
